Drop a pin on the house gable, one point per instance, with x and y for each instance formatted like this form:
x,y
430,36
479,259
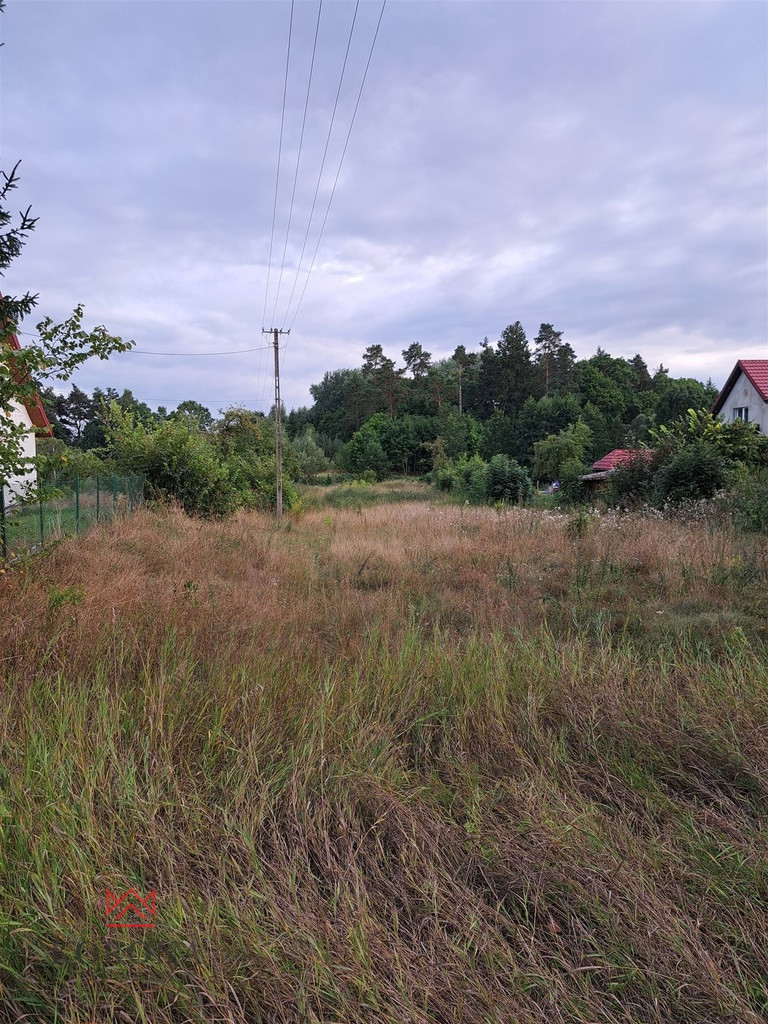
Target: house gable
x,y
30,414
37,415
745,394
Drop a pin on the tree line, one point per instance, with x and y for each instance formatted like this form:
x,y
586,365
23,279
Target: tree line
x,y
482,423
502,399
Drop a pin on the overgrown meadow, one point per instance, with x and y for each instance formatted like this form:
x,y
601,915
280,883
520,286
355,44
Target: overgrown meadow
x,y
387,761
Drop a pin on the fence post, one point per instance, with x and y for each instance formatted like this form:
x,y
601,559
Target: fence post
x,y
114,493
97,497
77,504
42,519
3,536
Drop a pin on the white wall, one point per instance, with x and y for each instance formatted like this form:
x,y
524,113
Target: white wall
x,y
745,394
16,484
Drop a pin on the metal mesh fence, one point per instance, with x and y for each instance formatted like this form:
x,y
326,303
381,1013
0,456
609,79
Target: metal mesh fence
x,y
74,507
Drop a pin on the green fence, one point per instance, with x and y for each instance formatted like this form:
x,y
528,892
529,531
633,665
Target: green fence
x,y
74,507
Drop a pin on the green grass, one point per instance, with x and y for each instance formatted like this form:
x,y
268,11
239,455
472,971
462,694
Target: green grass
x,y
436,798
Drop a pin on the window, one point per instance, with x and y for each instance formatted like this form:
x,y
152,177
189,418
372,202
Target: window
x,y
742,413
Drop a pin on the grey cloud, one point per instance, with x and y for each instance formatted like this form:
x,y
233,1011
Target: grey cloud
x,y
597,165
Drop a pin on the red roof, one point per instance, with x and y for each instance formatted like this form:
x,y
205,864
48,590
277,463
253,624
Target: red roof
x,y
33,404
756,371
620,457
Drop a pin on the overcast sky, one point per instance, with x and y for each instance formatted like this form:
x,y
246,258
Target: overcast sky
x,y
598,166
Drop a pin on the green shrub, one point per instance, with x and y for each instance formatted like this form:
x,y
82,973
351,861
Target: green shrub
x,y
471,479
59,463
443,479
177,462
693,473
572,490
506,480
364,452
310,456
749,502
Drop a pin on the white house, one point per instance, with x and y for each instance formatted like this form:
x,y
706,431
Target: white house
x,y
745,394
31,415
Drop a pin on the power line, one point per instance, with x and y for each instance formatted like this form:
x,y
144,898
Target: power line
x,y
233,352
279,155
322,163
341,162
298,157
209,401
185,355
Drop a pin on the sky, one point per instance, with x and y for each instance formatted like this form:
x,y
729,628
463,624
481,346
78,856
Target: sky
x,y
600,166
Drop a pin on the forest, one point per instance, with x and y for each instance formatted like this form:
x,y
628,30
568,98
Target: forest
x,y
483,423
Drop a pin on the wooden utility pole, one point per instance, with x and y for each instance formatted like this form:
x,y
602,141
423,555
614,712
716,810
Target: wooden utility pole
x,y
278,423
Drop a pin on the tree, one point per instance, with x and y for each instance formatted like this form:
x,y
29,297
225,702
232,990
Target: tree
x,y
678,397
597,388
177,462
385,380
547,343
341,401
416,360
75,411
462,360
397,440
553,451
192,410
537,419
507,480
364,453
642,376
441,385
310,455
507,371
461,435
60,350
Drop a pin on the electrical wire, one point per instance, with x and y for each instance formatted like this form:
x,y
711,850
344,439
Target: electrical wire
x,y
322,163
341,162
185,355
298,158
279,156
208,402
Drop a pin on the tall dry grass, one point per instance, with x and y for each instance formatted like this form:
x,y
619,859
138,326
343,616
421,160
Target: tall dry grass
x,y
407,763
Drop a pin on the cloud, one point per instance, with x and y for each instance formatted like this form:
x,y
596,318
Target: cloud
x,y
580,164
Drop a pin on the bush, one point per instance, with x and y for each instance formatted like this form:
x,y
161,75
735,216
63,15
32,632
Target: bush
x,y
634,482
693,473
572,490
507,480
443,479
749,502
311,457
470,478
59,463
364,452
177,462
479,482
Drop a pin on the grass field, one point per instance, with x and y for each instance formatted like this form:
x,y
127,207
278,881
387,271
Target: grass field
x,y
387,761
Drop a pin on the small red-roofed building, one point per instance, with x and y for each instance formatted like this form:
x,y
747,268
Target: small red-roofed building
x,y
619,457
745,394
604,468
